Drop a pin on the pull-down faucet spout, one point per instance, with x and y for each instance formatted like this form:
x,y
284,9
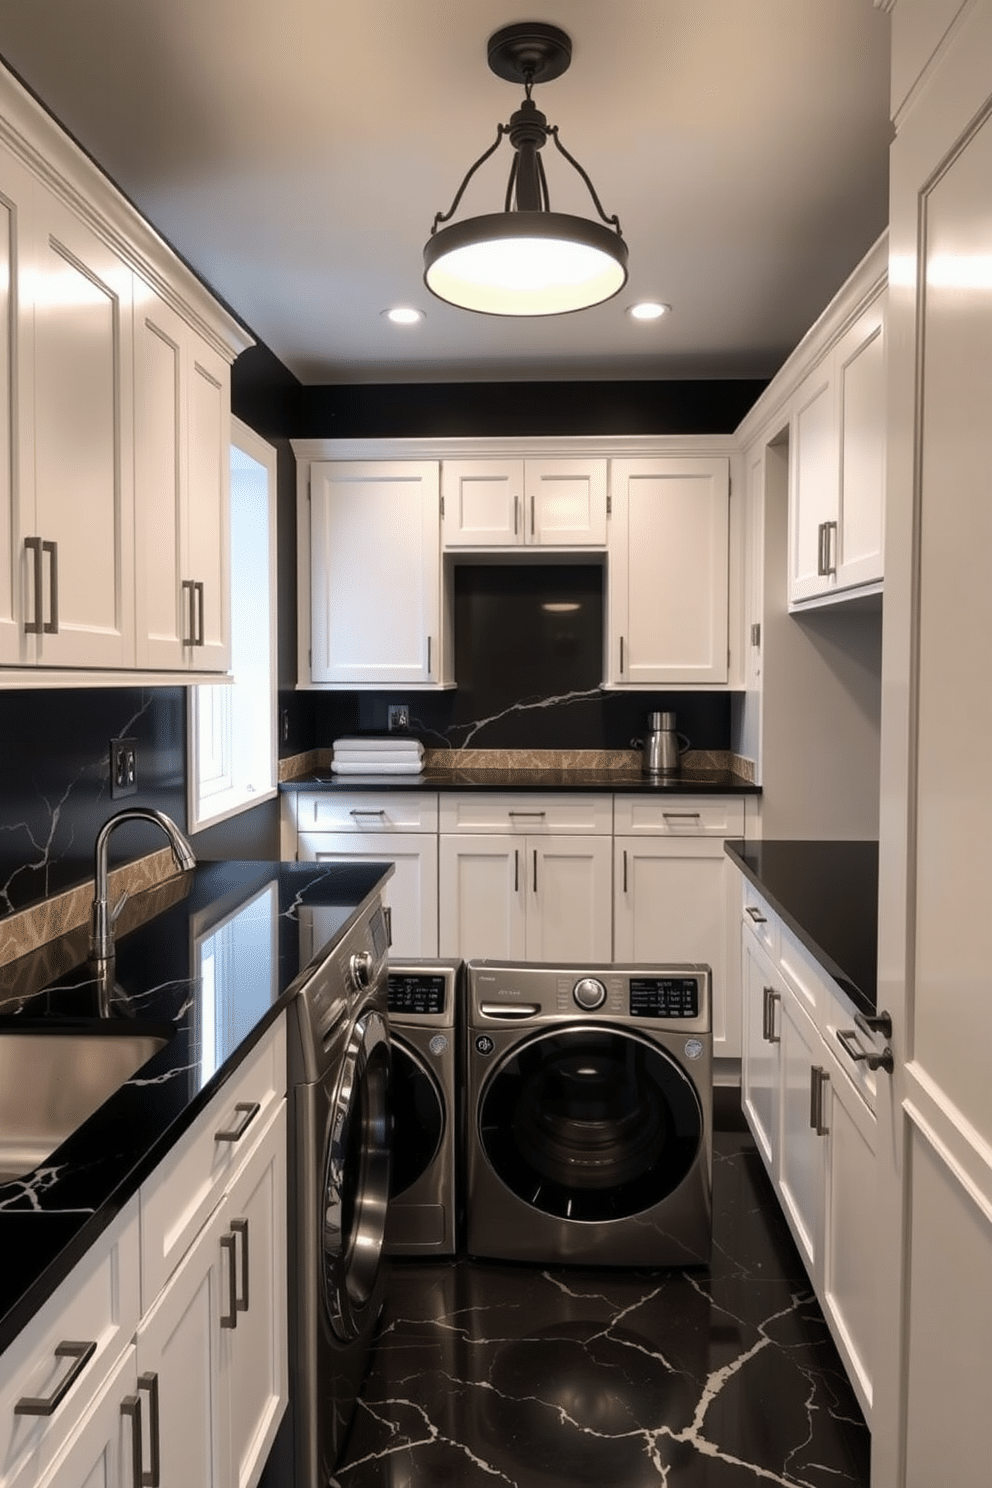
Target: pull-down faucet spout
x,y
104,918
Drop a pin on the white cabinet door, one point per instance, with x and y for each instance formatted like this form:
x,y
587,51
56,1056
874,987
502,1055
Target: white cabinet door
x,y
850,1259
565,503
209,522
553,502
483,896
761,994
411,893
17,646
668,580
375,573
483,503
673,903
84,478
813,484
859,359
179,1343
801,1153
569,899
254,1361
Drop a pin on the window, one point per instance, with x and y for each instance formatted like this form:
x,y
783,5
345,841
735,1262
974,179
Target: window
x,y
232,726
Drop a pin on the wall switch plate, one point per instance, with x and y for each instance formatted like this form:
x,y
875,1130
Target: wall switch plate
x,y
123,768
397,717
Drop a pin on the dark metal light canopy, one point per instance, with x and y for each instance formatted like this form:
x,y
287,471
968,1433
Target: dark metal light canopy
x,y
526,260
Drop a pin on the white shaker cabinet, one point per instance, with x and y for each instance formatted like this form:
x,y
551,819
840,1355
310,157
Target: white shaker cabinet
x,y
511,503
374,576
669,550
810,1107
526,877
76,471
398,827
837,465
182,505
676,894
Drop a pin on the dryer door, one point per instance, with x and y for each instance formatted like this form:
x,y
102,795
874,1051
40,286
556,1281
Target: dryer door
x,y
356,1177
418,1117
590,1123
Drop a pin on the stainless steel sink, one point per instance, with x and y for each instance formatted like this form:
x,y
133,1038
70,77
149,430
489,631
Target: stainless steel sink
x,y
50,1082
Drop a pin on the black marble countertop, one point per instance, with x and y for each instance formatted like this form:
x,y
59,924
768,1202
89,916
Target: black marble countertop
x,y
827,894
265,920
687,782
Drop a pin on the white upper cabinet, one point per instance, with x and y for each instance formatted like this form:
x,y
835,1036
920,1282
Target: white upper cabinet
x,y
182,508
668,572
552,502
837,466
96,421
375,575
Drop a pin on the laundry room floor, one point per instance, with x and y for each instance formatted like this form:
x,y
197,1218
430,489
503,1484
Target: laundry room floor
x,y
488,1374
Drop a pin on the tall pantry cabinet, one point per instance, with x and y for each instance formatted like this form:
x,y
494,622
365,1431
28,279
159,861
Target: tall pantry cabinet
x,y
934,1388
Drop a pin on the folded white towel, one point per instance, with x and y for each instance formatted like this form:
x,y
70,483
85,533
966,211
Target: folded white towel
x,y
380,757
401,741
386,768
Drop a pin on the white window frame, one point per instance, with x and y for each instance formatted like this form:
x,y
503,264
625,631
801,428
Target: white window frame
x,y
220,798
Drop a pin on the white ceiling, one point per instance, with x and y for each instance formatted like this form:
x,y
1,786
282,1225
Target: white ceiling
x,y
295,152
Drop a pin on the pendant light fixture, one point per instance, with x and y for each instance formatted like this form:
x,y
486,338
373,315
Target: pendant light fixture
x,y
526,260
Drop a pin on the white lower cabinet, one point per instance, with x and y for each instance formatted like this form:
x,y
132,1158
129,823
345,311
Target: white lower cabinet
x,y
526,877
529,898
676,894
814,1125
214,1342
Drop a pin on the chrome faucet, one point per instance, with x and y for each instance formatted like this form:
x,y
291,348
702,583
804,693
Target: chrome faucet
x,y
105,918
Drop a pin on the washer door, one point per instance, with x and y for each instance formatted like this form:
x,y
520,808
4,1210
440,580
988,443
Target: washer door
x,y
418,1118
590,1123
356,1177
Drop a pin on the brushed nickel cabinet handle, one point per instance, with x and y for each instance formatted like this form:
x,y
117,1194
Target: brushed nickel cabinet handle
x,y
621,656
153,1477
756,915
830,545
35,626
47,1405
818,1077
51,626
516,870
516,516
625,870
131,1408
535,870
199,633
429,656
771,997
240,1228
248,1110
229,1319
532,516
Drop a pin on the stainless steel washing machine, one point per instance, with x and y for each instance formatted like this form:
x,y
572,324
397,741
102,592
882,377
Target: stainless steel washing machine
x,y
339,1170
589,1113
424,998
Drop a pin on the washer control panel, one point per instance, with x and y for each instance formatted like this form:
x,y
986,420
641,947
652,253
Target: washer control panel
x,y
589,993
664,997
416,992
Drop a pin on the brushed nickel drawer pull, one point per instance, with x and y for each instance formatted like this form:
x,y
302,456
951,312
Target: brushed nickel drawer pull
x,y
131,1407
248,1110
152,1478
229,1319
47,1405
240,1228
756,915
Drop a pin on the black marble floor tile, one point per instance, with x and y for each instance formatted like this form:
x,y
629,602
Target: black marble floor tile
x,y
490,1374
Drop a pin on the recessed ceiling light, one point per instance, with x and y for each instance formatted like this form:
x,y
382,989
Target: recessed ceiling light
x,y
403,315
648,310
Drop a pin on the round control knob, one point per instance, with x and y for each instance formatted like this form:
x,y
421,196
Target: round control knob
x,y
589,993
360,967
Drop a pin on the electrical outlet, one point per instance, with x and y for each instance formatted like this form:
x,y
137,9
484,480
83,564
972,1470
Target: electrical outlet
x,y
398,718
123,767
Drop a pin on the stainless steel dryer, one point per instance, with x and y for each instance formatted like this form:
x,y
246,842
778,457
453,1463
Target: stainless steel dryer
x,y
424,998
589,1092
340,1145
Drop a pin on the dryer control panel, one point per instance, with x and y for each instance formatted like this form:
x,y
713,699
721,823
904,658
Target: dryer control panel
x,y
664,997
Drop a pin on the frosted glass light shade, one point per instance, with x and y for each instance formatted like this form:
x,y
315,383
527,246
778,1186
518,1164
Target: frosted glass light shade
x,y
525,263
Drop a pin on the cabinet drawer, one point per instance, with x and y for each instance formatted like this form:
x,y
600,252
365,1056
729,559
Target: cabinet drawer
x,y
760,920
528,815
367,811
804,974
188,1183
679,815
98,1303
